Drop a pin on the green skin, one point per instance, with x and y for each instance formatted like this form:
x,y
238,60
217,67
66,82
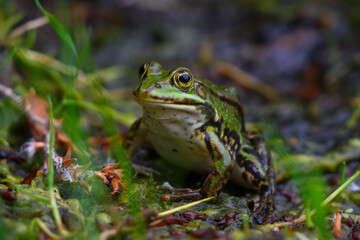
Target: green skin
x,y
201,127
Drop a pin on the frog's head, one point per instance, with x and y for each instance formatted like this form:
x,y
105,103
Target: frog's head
x,y
177,87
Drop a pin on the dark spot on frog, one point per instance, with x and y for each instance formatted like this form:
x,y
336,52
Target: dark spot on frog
x,y
254,171
190,124
191,148
176,133
163,109
174,150
157,85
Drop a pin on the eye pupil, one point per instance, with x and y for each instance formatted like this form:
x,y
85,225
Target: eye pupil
x,y
185,78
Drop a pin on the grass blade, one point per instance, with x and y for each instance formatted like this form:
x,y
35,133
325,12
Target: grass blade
x,y
343,168
184,206
59,29
54,208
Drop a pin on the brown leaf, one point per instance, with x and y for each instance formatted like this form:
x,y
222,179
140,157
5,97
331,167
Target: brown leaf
x,y
337,226
191,215
38,119
11,155
7,195
356,232
30,176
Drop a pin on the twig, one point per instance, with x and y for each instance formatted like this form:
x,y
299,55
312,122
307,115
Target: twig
x,y
33,24
8,92
247,80
82,79
184,206
110,232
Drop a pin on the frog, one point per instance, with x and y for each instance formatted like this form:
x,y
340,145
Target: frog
x,y
198,125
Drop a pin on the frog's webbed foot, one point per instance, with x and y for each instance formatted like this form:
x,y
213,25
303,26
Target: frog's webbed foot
x,y
264,203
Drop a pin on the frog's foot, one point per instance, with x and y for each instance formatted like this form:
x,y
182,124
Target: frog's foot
x,y
265,201
263,206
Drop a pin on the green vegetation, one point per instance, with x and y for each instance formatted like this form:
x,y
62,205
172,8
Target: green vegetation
x,y
66,93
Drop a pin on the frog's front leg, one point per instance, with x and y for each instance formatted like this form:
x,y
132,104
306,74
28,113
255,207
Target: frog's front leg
x,y
220,171
135,136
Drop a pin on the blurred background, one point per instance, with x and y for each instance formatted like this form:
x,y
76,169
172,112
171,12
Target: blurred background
x,y
291,62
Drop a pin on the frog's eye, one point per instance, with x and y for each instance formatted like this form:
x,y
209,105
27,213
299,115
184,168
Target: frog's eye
x,y
183,78
143,70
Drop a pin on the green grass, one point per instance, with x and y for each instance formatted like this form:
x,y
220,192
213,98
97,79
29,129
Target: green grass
x,y
62,32
54,207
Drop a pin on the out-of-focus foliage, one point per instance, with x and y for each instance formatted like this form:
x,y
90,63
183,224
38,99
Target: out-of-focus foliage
x,y
295,65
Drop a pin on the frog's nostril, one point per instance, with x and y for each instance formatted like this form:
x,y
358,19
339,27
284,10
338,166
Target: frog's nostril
x,y
157,85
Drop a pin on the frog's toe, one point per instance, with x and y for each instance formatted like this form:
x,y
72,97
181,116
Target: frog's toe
x,y
259,204
263,207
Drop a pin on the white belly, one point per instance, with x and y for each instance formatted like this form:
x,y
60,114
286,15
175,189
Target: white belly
x,y
172,133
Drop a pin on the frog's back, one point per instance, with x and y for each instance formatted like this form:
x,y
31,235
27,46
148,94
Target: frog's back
x,y
226,102
225,90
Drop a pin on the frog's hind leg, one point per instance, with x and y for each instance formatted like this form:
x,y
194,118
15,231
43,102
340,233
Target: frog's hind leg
x,y
134,136
266,197
265,200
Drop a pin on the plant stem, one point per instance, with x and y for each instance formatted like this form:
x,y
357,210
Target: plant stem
x,y
343,168
184,207
54,208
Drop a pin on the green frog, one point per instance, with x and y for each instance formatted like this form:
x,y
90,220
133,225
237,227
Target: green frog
x,y
198,125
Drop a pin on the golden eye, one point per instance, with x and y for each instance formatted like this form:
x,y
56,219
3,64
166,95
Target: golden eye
x,y
183,78
143,70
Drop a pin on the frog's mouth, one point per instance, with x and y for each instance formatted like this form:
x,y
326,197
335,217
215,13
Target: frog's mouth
x,y
162,110
168,103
